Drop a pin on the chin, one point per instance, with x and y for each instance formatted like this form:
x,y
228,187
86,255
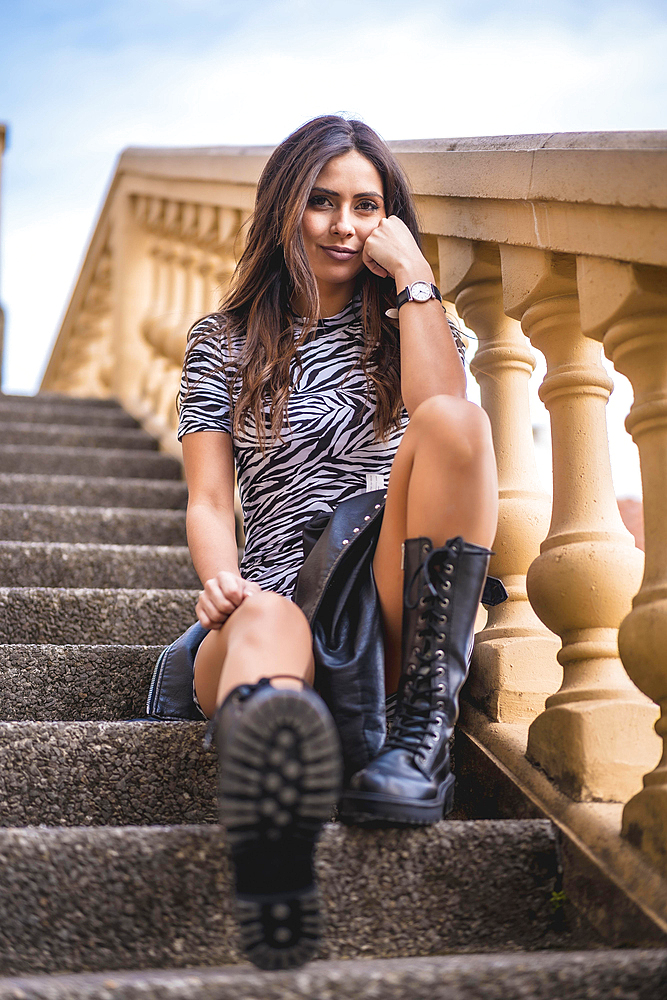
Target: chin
x,y
338,275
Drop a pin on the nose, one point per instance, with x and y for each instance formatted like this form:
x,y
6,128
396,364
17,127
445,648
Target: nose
x,y
341,223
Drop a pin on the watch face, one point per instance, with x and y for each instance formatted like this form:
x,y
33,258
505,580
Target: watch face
x,y
420,291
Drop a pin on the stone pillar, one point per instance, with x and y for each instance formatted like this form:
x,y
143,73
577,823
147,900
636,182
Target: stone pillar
x,y
129,241
3,132
594,737
626,307
514,665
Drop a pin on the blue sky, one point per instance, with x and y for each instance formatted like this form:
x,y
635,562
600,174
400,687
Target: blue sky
x,y
80,80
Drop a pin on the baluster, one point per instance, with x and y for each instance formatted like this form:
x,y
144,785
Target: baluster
x,y
229,246
207,226
208,301
129,245
594,735
625,306
514,665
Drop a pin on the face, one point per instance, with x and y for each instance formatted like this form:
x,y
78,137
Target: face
x,y
344,207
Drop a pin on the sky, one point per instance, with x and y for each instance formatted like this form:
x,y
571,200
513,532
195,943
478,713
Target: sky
x,y
81,80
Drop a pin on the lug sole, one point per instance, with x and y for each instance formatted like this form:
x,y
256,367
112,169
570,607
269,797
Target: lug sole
x,y
376,809
278,785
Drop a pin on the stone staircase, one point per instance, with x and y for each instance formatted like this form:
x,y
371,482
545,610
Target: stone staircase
x,y
113,871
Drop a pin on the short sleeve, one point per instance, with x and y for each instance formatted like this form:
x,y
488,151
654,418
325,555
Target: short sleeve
x,y
458,340
204,395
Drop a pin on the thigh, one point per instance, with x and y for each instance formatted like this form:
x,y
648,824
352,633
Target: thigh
x,y
387,560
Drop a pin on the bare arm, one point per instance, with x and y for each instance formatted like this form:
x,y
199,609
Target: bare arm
x,y
209,470
430,362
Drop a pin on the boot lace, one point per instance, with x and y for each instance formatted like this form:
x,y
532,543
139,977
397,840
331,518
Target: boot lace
x,y
418,696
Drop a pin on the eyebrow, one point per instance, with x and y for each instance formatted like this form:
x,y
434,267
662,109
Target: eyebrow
x,y
361,194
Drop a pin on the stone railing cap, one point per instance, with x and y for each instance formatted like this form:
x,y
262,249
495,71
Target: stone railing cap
x,y
548,140
626,169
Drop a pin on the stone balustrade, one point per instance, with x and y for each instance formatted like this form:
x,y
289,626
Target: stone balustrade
x,y
3,140
557,243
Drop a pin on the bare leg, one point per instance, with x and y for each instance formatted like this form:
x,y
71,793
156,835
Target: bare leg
x,y
279,777
443,483
267,635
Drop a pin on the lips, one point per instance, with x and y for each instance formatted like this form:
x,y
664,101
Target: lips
x,y
339,253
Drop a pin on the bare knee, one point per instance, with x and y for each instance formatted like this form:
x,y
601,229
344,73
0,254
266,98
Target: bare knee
x,y
267,635
269,615
457,426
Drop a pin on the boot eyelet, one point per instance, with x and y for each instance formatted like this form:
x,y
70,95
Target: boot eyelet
x,y
355,530
439,704
440,688
447,585
445,602
438,721
411,668
449,569
367,518
415,651
421,620
422,602
440,654
439,671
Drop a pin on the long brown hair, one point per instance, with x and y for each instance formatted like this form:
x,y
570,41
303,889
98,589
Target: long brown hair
x,y
274,270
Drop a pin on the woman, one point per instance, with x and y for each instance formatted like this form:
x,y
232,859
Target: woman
x,y
323,397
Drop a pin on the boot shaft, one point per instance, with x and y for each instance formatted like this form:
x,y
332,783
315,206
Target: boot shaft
x,y
442,590
447,582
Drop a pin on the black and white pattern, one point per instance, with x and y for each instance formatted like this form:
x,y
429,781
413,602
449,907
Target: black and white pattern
x,y
328,451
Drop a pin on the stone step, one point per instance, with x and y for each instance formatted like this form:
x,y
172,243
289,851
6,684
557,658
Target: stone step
x,y
85,616
107,525
543,975
106,773
67,564
60,399
70,436
88,491
50,683
102,898
88,462
27,411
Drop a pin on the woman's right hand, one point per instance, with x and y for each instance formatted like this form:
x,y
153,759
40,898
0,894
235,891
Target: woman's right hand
x,y
221,595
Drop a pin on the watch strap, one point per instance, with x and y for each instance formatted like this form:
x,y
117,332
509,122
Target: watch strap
x,y
406,294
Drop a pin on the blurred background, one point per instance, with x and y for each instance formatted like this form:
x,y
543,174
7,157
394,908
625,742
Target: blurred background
x,y
82,79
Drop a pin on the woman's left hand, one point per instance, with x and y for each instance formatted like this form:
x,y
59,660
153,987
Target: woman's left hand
x,y
391,249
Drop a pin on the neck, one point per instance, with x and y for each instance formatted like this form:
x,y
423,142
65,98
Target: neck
x,y
333,299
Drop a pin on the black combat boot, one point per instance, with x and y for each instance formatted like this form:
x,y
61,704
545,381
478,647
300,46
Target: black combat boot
x,y
280,774
410,780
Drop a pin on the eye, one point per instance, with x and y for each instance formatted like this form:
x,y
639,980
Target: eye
x,y
319,201
368,206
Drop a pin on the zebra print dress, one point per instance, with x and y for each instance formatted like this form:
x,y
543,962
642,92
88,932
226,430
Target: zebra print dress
x,y
328,451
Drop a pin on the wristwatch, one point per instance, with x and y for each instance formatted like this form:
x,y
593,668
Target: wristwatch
x,y
418,291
